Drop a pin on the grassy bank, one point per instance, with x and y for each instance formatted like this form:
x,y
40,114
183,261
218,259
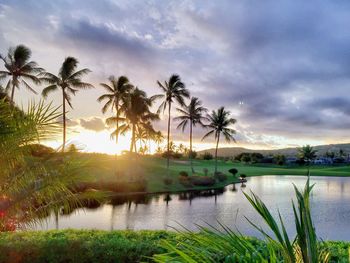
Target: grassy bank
x,y
153,170
101,246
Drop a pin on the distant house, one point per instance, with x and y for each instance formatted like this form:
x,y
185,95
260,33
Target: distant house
x,y
291,160
323,161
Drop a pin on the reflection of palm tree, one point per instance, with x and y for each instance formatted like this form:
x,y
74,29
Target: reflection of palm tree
x,y
174,89
19,69
219,122
117,92
69,81
191,114
137,114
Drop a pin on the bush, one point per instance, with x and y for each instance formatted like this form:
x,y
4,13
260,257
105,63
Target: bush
x,y
177,155
205,171
192,154
80,246
168,181
220,176
243,176
185,181
183,173
233,171
207,156
202,180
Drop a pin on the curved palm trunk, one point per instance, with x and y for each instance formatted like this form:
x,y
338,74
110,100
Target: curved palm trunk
x,y
216,153
191,148
168,146
117,112
64,120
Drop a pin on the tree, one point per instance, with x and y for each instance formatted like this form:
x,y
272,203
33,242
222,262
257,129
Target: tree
x,y
219,124
137,114
307,153
279,159
158,138
19,69
117,93
30,188
69,81
174,90
191,114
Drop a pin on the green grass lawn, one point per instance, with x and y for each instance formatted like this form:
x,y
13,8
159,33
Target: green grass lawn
x,y
103,167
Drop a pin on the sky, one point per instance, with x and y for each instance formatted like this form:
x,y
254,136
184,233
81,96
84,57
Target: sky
x,y
281,67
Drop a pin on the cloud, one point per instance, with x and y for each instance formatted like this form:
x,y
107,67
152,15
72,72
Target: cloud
x,y
287,61
94,124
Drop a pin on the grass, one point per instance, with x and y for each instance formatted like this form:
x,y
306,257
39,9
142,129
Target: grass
x,y
102,168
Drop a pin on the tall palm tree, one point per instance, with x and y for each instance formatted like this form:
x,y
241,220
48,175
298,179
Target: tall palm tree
x,y
137,114
19,69
158,138
174,90
308,154
69,81
191,114
117,92
219,123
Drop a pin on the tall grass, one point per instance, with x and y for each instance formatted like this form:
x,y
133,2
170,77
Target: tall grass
x,y
225,245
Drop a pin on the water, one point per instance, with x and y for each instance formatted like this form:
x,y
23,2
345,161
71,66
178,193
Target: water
x,y
330,203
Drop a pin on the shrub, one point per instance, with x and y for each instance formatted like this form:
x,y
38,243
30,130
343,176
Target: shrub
x,y
205,171
202,180
192,154
207,156
183,173
185,181
81,246
177,155
168,181
233,171
220,176
243,176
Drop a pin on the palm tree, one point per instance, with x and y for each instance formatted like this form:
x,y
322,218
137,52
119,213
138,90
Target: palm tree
x,y
192,114
158,138
219,122
19,69
174,90
117,92
307,153
69,81
137,114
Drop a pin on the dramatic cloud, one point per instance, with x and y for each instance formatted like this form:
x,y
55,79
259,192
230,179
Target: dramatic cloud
x,y
281,67
94,124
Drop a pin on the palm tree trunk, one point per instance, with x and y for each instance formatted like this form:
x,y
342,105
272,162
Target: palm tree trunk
x,y
190,154
64,120
132,138
168,149
117,112
216,153
13,91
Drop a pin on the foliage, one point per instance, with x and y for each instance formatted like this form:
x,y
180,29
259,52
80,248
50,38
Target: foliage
x,y
202,180
219,124
19,69
29,186
233,171
279,159
69,81
254,157
81,246
220,176
183,173
307,153
225,245
207,156
192,154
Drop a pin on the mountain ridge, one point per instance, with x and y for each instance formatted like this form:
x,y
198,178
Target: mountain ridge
x,y
290,151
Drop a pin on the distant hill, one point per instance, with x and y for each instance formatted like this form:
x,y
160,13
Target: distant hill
x,y
321,150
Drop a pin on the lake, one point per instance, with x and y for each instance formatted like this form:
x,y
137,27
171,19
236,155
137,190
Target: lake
x,y
330,204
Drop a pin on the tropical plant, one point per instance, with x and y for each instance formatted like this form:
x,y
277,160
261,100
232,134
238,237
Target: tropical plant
x,y
19,69
30,188
219,124
224,245
117,93
174,90
137,115
158,138
69,81
307,153
191,115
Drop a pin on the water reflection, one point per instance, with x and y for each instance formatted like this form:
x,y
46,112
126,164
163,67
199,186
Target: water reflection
x,y
330,204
